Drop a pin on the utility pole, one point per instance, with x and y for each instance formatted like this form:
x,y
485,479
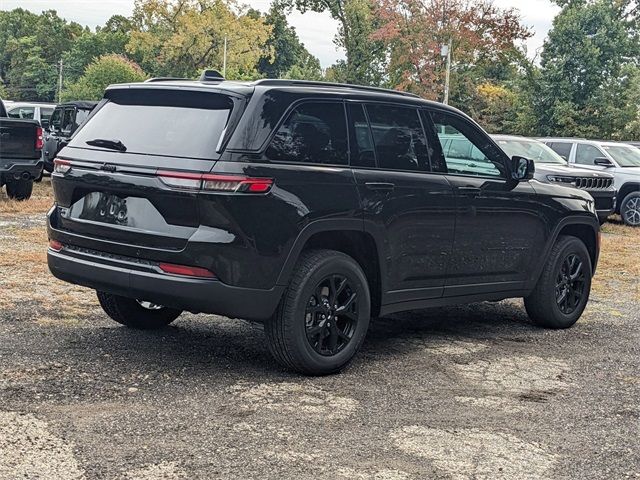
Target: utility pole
x,y
224,59
60,65
447,74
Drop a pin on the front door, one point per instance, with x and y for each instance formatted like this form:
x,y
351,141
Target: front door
x,y
402,200
498,228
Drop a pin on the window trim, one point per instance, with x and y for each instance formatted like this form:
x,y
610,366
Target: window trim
x,y
364,103
285,116
429,110
603,154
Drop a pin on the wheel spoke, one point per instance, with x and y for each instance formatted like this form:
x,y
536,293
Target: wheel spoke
x,y
333,339
315,331
562,298
347,305
577,271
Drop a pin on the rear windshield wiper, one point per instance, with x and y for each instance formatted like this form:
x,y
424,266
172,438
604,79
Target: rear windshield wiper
x,y
112,144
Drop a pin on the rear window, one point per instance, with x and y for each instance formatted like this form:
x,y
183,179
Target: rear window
x,y
168,123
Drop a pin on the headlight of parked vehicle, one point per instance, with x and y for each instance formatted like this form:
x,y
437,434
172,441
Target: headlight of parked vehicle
x,y
561,179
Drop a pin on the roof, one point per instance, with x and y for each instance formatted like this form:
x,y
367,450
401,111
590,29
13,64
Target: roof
x,y
246,88
31,104
584,140
513,137
84,104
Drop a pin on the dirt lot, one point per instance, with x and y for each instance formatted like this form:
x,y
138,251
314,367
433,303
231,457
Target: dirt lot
x,y
470,392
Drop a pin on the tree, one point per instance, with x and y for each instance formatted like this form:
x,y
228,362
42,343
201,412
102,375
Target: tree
x,y
365,56
480,33
590,83
290,58
183,37
103,72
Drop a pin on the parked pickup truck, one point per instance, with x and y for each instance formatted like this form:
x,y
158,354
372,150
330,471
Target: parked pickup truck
x,y
21,161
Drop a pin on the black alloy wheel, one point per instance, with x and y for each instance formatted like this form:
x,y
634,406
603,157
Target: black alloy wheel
x,y
570,284
331,315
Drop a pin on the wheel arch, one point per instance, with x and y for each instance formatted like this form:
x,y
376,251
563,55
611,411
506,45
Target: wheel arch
x,y
586,229
348,237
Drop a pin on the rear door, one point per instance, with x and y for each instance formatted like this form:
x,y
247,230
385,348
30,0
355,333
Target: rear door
x,y
498,229
403,201
117,199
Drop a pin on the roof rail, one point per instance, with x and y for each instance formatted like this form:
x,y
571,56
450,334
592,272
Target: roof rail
x,y
310,83
168,79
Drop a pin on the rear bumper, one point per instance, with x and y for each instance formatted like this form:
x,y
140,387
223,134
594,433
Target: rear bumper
x,y
134,279
15,168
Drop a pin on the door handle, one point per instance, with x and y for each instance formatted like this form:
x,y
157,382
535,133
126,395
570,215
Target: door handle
x,y
387,187
472,191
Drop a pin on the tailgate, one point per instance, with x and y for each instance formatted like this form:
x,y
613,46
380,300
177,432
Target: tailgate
x,y
18,139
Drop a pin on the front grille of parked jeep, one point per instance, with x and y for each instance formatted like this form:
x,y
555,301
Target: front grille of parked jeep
x,y
593,183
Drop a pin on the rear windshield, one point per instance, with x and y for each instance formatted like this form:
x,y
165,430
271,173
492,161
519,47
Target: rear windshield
x,y
168,123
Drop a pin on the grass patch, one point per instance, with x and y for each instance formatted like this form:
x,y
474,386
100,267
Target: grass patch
x,y
40,201
619,265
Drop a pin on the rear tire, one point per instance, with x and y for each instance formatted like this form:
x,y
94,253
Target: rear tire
x,y
323,316
131,312
630,209
562,292
19,189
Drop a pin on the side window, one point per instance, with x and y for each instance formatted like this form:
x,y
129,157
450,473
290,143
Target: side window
x,y
398,138
26,113
561,148
312,133
66,125
466,150
45,113
56,118
586,154
362,151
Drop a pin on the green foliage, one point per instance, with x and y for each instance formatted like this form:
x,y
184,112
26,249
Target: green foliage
x,y
290,58
104,71
590,83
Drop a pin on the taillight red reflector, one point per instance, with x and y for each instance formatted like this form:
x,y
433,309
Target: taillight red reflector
x,y
39,138
186,270
215,183
55,245
61,166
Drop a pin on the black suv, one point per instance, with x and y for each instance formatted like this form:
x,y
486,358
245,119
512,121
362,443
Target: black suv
x,y
311,207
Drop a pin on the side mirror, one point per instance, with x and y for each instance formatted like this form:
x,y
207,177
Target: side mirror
x,y
522,168
603,162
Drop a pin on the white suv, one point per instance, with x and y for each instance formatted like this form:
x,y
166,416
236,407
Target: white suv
x,y
619,159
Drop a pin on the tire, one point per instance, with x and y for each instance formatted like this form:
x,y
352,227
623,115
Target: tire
x,y
543,304
131,313
630,209
19,189
298,335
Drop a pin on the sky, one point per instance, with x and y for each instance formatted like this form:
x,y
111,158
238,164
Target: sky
x,y
316,30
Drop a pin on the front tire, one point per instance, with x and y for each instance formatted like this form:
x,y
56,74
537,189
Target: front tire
x,y
562,292
19,189
323,316
136,314
630,209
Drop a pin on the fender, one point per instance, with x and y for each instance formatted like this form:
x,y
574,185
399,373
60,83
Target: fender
x,y
575,220
327,225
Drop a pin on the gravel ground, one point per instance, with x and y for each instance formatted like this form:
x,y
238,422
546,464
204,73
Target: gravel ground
x,y
458,393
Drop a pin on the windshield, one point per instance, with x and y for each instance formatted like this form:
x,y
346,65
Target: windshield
x,y
625,156
168,123
531,149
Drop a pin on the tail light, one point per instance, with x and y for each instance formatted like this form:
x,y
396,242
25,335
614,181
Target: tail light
x,y
61,166
215,183
186,271
39,138
55,245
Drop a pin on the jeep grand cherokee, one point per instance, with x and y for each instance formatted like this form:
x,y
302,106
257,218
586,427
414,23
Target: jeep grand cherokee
x,y
311,207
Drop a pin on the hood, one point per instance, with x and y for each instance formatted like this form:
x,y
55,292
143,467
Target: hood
x,y
557,169
629,170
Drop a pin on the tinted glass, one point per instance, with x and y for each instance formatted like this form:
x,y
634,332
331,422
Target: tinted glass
x,y
586,154
22,112
176,124
466,151
312,133
81,117
561,148
398,138
362,151
66,124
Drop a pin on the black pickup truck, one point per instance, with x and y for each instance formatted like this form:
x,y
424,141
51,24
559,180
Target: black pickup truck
x,y
21,161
